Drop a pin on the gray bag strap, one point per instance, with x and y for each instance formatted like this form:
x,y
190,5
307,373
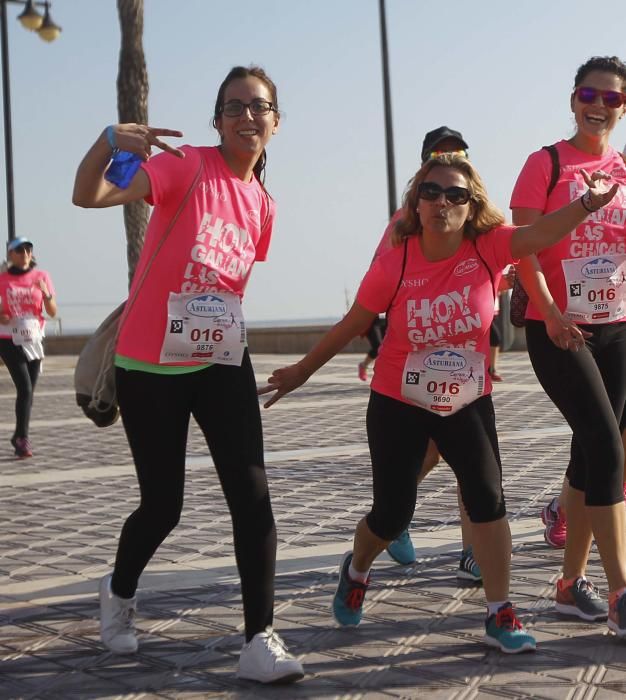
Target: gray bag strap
x,y
164,237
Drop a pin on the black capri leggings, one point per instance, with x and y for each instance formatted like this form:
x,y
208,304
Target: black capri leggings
x,y
398,435
155,411
589,388
24,374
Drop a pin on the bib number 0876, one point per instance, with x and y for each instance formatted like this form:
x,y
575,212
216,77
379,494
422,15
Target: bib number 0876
x,y
216,335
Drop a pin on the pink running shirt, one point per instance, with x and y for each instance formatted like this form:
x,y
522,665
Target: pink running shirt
x,y
449,303
601,233
20,296
223,229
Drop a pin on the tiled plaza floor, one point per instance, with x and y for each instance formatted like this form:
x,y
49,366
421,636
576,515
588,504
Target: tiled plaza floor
x,y
61,513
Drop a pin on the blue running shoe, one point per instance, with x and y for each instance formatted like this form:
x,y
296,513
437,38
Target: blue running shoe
x,y
468,567
349,596
504,630
402,549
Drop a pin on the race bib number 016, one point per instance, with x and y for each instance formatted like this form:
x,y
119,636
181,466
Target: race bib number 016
x,y
596,288
205,328
443,380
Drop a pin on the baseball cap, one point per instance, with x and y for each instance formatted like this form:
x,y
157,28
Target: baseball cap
x,y
17,242
436,136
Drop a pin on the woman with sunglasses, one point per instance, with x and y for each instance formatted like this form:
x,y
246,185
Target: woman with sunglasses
x,y
431,378
576,337
181,349
24,294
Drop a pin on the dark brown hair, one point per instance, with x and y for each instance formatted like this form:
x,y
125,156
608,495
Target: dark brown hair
x,y
607,64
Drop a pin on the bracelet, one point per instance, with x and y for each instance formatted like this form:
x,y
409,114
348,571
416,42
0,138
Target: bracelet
x,y
585,200
111,139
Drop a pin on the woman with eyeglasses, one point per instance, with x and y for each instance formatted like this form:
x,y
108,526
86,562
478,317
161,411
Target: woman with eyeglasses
x,y
431,378
25,292
181,350
576,338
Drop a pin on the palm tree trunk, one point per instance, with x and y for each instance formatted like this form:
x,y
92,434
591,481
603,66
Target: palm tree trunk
x,y
132,106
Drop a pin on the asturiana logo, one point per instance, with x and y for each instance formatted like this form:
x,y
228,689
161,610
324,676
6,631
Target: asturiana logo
x,y
465,267
599,268
207,306
445,361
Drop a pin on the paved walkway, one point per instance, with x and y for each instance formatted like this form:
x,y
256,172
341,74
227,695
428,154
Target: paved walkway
x,y
61,513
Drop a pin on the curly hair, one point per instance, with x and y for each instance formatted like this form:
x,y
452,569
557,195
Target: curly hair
x,y
485,215
606,64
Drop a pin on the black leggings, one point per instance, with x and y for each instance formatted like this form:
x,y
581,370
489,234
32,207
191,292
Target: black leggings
x,y
398,434
589,389
24,374
375,335
155,411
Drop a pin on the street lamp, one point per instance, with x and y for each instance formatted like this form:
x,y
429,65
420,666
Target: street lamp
x,y
391,167
48,31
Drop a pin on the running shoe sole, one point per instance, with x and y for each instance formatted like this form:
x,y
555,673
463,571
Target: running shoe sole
x,y
565,609
527,646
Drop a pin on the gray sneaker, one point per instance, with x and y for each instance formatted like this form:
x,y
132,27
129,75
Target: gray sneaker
x,y
581,599
117,620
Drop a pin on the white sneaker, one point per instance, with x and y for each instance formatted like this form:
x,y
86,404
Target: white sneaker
x,y
265,659
117,620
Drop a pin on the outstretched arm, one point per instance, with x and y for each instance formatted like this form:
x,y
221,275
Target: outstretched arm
x,y
289,378
549,229
91,190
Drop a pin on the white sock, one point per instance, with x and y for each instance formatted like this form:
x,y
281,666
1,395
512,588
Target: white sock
x,y
554,506
357,575
493,608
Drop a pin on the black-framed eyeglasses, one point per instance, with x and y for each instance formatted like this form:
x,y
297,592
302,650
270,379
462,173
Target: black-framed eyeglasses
x,y
431,191
23,249
258,107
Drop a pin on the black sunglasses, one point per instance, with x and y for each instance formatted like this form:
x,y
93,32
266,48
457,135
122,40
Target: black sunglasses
x,y
431,191
23,249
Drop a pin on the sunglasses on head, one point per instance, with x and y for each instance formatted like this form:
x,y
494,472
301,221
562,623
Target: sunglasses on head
x,y
610,98
23,249
458,152
431,191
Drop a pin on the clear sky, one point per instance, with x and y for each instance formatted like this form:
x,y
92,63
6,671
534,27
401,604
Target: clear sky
x,y
499,71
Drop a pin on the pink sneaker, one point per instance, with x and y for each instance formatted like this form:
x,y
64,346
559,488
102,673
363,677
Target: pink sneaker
x,y
362,372
556,525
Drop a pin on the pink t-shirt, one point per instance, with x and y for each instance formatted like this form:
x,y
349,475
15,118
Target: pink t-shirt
x,y
20,296
439,304
601,233
223,229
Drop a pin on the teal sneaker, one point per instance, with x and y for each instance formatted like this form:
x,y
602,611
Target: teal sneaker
x,y
349,596
402,549
468,567
617,616
504,630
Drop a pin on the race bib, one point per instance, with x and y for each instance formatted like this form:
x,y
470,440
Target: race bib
x,y
595,288
443,380
204,328
25,330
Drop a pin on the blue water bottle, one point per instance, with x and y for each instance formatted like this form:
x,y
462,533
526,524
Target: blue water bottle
x,y
122,169
123,166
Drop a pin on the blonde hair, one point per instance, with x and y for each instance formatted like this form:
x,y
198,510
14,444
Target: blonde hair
x,y
484,214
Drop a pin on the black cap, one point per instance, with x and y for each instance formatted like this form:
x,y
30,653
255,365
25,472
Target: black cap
x,y
436,136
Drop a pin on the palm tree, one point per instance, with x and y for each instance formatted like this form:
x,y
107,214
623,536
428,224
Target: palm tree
x,y
132,106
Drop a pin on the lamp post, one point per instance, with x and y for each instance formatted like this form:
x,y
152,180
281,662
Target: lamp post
x,y
391,167
48,31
